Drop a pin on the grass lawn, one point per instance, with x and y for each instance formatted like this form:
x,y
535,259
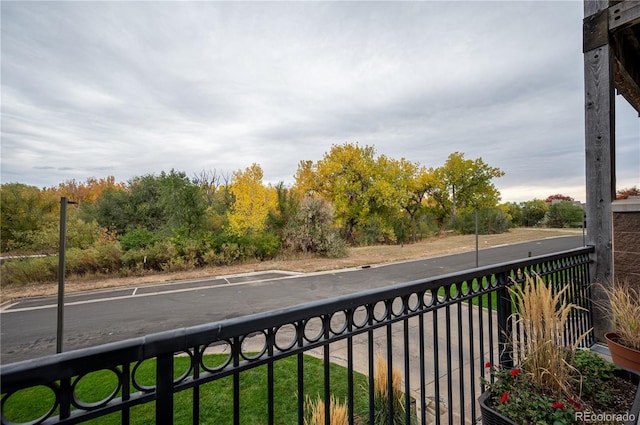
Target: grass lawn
x,y
216,399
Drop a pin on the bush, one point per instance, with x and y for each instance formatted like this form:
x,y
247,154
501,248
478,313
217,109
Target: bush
x,y
310,230
266,245
490,221
533,212
376,230
81,261
29,270
109,257
564,214
139,238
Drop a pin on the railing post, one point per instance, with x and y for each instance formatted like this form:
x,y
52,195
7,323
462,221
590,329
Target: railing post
x,y
503,301
164,389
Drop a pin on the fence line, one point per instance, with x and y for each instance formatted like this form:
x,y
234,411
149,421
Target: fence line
x,y
437,332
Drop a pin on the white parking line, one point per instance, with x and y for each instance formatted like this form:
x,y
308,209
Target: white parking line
x,y
124,297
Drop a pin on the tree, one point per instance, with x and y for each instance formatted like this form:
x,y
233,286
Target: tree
x,y
252,202
111,210
463,184
626,192
534,212
514,213
89,191
164,204
182,203
565,214
344,177
417,181
558,197
24,210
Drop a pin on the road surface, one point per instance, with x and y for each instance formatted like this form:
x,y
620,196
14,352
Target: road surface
x,y
28,327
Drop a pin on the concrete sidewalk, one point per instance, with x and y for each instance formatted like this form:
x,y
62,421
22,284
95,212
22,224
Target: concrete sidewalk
x,y
461,358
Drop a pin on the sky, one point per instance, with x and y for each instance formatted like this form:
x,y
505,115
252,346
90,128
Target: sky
x,y
125,89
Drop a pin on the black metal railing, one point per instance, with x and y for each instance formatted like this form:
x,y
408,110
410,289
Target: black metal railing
x,y
438,333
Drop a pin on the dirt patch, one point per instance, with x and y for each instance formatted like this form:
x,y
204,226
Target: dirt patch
x,y
446,244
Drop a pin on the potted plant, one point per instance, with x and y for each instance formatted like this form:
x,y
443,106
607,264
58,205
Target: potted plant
x,y
624,309
554,384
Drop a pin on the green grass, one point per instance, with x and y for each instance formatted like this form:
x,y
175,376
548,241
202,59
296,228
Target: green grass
x,y
216,399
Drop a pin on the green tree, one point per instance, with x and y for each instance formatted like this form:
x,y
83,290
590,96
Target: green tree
x,y
344,176
23,211
534,212
111,210
419,183
181,203
565,214
463,184
514,212
490,221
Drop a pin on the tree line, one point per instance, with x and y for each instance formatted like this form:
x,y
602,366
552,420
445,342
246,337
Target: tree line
x,y
171,221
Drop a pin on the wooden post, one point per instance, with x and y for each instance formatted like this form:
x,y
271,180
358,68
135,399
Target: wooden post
x,y
599,148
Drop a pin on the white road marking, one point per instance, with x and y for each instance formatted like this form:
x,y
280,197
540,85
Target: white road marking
x,y
124,297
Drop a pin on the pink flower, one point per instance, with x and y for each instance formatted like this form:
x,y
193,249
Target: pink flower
x,y
558,405
504,397
515,372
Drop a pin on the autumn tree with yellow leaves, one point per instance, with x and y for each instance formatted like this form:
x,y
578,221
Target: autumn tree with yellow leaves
x,y
252,202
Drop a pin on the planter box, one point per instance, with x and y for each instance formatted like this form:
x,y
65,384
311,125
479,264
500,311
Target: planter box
x,y
491,417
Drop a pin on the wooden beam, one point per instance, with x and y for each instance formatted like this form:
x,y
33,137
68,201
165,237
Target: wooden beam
x,y
627,86
594,6
595,31
600,168
624,14
626,50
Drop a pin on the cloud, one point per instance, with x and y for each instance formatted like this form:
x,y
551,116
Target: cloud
x,y
131,88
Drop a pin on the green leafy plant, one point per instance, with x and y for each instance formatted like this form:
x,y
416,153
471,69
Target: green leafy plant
x,y
551,382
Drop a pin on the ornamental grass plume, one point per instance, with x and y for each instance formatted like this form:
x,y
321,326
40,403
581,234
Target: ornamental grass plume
x,y
316,412
624,303
542,317
381,394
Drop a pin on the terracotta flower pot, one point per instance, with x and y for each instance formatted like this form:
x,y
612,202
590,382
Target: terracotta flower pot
x,y
622,355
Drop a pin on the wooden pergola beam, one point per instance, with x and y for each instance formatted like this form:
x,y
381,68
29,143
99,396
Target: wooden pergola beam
x,y
599,146
624,14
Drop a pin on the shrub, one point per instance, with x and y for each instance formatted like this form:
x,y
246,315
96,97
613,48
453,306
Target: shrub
x,y
109,257
490,221
159,255
310,230
564,214
542,317
316,412
382,393
139,238
266,245
376,230
29,270
533,212
81,261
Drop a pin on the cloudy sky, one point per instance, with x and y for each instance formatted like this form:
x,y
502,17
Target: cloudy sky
x,y
93,89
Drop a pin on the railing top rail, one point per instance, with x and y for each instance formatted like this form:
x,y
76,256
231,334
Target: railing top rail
x,y
30,372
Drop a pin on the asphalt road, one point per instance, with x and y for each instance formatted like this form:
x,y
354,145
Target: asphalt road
x,y
28,327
